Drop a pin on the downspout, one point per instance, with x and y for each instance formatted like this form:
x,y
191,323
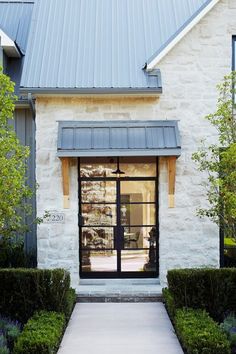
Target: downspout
x,y
32,104
154,72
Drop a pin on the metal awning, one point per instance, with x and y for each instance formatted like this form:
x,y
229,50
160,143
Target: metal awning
x,y
118,138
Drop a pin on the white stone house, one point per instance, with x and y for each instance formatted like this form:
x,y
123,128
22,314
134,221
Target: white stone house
x,y
120,89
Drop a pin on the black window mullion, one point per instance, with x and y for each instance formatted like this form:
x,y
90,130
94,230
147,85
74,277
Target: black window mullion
x,y
117,229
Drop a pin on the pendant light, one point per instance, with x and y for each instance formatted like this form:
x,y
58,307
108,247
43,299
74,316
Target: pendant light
x,y
118,172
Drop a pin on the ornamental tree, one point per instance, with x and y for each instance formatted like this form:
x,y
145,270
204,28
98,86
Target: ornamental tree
x,y
219,160
13,188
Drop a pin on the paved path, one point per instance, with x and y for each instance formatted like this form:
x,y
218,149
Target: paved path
x,y
120,328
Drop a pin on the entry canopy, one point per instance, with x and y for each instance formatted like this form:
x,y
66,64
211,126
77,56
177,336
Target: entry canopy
x,y
118,138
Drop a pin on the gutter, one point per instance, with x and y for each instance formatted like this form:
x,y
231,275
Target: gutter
x,y
28,102
91,91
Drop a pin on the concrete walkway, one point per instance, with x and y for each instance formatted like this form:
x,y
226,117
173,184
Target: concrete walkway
x,y
120,328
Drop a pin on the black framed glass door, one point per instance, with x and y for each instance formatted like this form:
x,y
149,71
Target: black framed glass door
x,y
118,217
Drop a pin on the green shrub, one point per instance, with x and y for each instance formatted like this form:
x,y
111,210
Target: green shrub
x,y
211,289
9,330
199,333
3,345
229,327
70,300
41,334
169,302
12,253
24,291
4,350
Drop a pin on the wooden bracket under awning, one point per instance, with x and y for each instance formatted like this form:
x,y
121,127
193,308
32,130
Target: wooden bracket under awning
x,y
171,180
65,165
171,163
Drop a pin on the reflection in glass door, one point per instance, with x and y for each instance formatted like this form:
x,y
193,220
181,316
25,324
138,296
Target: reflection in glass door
x,y
118,217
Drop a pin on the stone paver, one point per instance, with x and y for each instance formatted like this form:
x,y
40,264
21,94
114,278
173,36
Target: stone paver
x,y
120,328
119,289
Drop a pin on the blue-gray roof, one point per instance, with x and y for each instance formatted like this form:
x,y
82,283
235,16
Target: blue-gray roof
x,y
15,19
119,138
100,44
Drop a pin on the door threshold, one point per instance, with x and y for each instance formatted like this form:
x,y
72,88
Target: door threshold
x,y
119,290
120,281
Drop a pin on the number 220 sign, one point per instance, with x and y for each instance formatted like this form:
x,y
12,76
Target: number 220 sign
x,y
55,217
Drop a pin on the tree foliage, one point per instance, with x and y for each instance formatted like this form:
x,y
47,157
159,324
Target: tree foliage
x,y
13,188
219,160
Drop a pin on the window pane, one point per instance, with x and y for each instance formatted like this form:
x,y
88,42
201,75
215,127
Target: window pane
x,y
99,214
100,261
137,191
138,166
98,191
98,237
139,237
229,251
138,261
137,214
97,167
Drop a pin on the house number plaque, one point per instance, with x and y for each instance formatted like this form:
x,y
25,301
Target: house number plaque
x,y
55,217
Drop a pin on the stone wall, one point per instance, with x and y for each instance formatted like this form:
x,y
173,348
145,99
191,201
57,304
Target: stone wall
x,y
190,73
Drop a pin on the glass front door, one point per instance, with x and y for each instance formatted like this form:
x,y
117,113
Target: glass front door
x,y
118,217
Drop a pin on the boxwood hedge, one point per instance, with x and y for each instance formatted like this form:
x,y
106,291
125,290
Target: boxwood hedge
x,y
24,291
211,289
199,333
41,334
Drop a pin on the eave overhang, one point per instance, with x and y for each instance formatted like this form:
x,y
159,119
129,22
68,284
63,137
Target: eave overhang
x,y
9,46
91,91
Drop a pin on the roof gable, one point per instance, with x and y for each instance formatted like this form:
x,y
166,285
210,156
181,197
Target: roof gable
x,y
179,34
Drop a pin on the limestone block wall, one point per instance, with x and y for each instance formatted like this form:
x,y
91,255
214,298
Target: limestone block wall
x,y
190,73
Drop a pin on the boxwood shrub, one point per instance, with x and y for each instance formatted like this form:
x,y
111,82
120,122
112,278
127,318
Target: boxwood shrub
x,y
199,333
211,289
24,291
41,334
169,302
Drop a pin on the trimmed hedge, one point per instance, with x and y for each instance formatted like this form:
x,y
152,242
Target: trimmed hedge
x,y
70,300
169,302
41,334
24,291
211,289
199,333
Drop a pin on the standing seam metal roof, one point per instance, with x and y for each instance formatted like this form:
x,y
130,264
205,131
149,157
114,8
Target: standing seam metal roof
x,y
120,138
100,43
15,19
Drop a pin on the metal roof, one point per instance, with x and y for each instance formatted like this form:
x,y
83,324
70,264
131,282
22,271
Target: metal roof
x,y
120,138
15,19
100,44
